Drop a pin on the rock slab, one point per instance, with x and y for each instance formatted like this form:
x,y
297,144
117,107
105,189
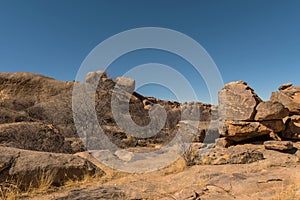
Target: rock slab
x,y
222,156
240,130
278,145
27,167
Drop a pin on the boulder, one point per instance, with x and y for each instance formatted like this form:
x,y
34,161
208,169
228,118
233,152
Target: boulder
x,y
126,84
270,110
289,96
221,156
240,130
278,145
33,136
30,167
237,101
292,128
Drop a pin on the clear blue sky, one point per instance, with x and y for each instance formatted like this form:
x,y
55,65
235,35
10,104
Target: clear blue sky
x,y
257,41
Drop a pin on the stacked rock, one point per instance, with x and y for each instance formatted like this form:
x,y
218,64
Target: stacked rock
x,y
244,115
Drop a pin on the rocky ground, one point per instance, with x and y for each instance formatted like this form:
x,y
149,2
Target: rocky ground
x,y
244,148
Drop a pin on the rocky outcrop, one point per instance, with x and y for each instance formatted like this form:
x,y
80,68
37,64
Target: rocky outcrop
x,y
30,167
289,96
26,97
33,136
244,115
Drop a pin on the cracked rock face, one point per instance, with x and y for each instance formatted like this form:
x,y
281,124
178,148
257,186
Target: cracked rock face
x,y
237,101
289,96
270,111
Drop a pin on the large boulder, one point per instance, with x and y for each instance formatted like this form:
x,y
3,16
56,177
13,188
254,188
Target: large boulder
x,y
289,96
240,130
31,167
237,101
270,110
292,128
33,136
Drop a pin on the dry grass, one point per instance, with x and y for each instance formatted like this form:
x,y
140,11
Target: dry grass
x,y
9,191
15,189
42,184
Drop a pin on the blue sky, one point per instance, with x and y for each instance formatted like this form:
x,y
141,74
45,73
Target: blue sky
x,y
257,41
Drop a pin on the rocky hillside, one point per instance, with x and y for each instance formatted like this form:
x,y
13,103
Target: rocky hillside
x,y
31,102
231,156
